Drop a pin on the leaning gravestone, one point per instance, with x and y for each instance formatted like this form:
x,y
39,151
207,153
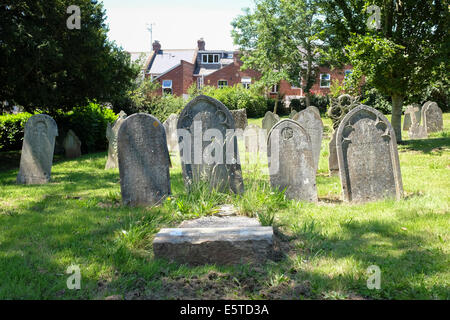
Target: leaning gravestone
x,y
270,119
208,145
291,161
37,150
240,118
143,161
111,135
368,157
315,109
72,145
432,117
170,125
292,114
411,109
311,122
333,165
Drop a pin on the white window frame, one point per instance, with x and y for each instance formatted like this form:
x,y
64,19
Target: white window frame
x,y
276,86
329,80
207,55
164,87
222,86
200,82
246,82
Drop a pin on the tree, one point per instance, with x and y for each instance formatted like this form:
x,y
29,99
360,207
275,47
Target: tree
x,y
45,65
399,58
280,40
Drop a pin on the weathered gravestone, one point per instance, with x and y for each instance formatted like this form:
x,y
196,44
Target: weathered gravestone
x,y
208,145
312,123
111,135
170,125
416,131
255,139
240,118
270,119
292,114
72,145
339,108
291,161
37,150
143,161
407,120
368,157
432,117
315,109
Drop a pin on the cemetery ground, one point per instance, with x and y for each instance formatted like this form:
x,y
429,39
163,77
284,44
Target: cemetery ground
x,y
322,250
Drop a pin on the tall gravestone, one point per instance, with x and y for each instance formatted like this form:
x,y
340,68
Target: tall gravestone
x,y
143,161
415,131
208,145
432,117
72,145
240,118
37,150
111,135
312,123
315,109
270,119
368,157
170,125
291,161
333,165
410,110
253,139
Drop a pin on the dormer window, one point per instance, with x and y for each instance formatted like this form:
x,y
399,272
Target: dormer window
x,y
210,58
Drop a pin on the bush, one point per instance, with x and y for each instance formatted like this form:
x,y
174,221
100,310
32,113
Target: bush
x,y
164,107
89,124
373,98
11,130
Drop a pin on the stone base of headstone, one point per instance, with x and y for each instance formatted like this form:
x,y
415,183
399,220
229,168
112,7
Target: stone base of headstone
x,y
215,240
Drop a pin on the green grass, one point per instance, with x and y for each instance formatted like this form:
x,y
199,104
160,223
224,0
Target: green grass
x,y
327,247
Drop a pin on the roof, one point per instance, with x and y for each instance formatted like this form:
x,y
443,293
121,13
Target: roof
x,y
168,59
142,57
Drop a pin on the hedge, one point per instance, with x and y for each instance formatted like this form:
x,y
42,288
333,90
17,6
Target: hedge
x,y
11,130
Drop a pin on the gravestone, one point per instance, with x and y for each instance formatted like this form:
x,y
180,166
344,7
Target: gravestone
x,y
37,150
208,145
411,109
293,113
368,157
312,123
255,139
111,135
143,161
416,131
240,118
315,109
432,117
333,165
72,145
170,125
291,161
270,119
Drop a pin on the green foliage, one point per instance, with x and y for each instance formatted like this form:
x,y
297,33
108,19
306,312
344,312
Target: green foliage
x,y
47,66
237,97
373,98
11,130
89,124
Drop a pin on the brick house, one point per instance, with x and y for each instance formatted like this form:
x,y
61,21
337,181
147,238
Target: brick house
x,y
177,69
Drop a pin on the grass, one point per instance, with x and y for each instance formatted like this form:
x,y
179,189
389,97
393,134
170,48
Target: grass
x,y
327,247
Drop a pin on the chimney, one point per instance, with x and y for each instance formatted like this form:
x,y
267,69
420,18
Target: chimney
x,y
156,46
201,44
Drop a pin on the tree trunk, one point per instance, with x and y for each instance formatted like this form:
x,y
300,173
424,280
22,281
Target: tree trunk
x,y
308,99
397,108
276,106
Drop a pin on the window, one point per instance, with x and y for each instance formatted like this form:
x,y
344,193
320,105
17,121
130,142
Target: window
x,y
325,80
167,86
200,82
274,89
347,73
222,83
210,58
246,82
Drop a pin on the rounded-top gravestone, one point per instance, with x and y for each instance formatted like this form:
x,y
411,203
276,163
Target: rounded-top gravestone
x,y
270,119
111,135
37,150
208,145
170,125
72,145
291,161
143,161
367,152
432,117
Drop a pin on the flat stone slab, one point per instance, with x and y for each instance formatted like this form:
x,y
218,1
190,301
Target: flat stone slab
x,y
221,222
222,246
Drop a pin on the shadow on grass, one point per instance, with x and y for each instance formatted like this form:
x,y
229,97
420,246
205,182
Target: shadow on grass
x,y
426,145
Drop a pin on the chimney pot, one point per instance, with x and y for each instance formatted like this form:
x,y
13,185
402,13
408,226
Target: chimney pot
x,y
156,46
201,44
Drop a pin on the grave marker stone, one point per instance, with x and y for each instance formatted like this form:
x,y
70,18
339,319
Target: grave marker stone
x,y
270,119
72,145
240,118
111,135
407,121
170,125
432,117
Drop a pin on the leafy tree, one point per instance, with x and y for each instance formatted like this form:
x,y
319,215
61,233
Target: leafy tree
x,y
398,59
47,66
279,38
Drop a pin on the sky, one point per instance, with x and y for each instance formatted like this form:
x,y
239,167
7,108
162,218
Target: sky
x,y
178,24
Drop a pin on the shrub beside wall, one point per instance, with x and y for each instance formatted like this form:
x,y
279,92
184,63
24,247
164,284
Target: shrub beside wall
x,y
11,130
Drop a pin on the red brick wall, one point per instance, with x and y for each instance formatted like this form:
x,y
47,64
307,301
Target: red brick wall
x,y
181,76
338,74
232,73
